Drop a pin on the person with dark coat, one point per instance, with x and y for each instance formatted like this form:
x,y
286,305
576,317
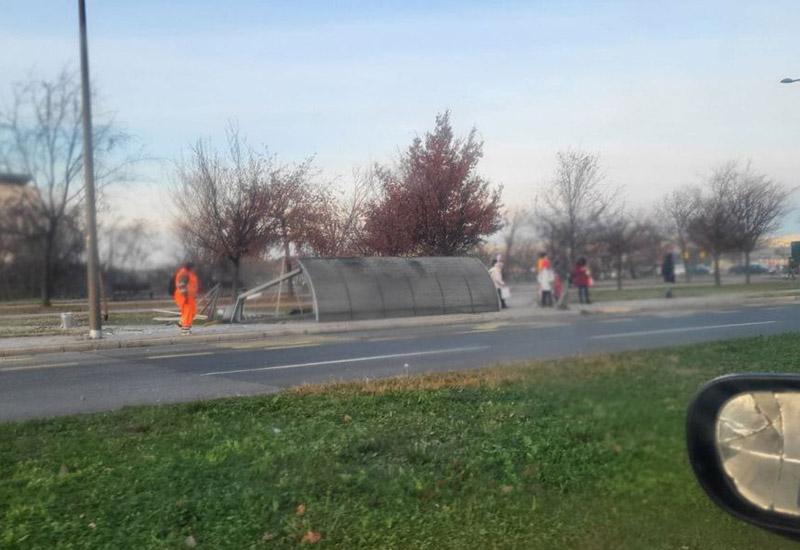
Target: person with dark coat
x,y
668,268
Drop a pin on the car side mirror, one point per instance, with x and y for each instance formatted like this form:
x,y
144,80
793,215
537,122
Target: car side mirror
x,y
743,440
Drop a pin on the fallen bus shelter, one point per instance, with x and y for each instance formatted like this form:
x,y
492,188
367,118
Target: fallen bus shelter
x,y
362,288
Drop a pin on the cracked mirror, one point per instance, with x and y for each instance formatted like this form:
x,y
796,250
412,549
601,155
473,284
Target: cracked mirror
x,y
758,441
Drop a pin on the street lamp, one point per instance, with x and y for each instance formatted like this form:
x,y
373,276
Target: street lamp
x,y
92,260
789,80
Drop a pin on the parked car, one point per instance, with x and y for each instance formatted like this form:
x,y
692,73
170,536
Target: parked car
x,y
754,269
700,269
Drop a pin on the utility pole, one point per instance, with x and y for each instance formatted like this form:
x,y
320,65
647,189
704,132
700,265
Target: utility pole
x,y
92,263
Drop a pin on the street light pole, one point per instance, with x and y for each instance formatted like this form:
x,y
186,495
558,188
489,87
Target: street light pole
x,y
92,262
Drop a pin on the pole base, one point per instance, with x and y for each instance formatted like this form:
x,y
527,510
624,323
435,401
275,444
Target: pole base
x,y
95,334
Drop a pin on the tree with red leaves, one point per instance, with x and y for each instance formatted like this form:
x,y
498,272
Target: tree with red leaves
x,y
433,202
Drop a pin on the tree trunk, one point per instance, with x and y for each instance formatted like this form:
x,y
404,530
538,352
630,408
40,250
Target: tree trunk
x,y
235,287
510,246
747,267
717,279
619,272
104,292
687,266
47,267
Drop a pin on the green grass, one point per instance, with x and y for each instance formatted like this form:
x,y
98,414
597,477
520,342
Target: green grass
x,y
687,291
581,453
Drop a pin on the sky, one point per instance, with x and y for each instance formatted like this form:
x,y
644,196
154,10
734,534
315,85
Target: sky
x,y
662,91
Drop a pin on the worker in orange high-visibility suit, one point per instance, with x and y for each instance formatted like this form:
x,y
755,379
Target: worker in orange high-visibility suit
x,y
186,286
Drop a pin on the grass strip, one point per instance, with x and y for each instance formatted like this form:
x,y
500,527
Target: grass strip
x,y
578,453
691,291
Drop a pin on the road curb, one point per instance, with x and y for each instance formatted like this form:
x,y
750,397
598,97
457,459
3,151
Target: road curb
x,y
244,336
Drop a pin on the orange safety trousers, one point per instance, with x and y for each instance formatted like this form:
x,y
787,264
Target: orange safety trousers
x,y
186,286
188,307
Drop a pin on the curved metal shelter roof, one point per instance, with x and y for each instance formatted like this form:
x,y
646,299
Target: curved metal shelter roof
x,y
379,287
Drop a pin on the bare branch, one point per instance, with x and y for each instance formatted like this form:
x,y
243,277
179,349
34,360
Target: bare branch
x,y
40,135
570,209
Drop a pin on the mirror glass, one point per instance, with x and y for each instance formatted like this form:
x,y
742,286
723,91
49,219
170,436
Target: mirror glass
x,y
758,440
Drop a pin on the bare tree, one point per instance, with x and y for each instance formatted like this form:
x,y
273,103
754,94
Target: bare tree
x,y
647,239
759,205
616,235
226,203
40,135
337,221
293,206
713,226
739,208
515,221
126,245
677,209
569,210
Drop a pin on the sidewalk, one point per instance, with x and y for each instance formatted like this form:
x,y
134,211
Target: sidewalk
x,y
522,309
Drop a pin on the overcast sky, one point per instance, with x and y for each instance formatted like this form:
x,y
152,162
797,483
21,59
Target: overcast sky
x,y
663,91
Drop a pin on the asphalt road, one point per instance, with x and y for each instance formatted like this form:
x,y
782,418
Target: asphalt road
x,y
67,383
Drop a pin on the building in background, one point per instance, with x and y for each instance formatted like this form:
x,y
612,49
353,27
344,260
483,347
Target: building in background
x,y
20,266
17,204
775,252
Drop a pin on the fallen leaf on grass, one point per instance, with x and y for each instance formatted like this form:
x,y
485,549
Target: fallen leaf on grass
x,y
311,537
505,489
301,509
92,525
63,470
190,542
347,418
267,537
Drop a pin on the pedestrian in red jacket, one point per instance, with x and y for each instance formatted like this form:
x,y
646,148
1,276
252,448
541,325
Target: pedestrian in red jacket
x,y
582,278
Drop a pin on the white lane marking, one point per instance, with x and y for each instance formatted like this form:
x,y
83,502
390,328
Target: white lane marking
x,y
174,355
682,329
15,359
273,346
353,360
33,367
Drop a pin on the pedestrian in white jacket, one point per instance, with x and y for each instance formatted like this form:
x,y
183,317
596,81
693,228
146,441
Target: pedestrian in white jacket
x,y
496,273
546,278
